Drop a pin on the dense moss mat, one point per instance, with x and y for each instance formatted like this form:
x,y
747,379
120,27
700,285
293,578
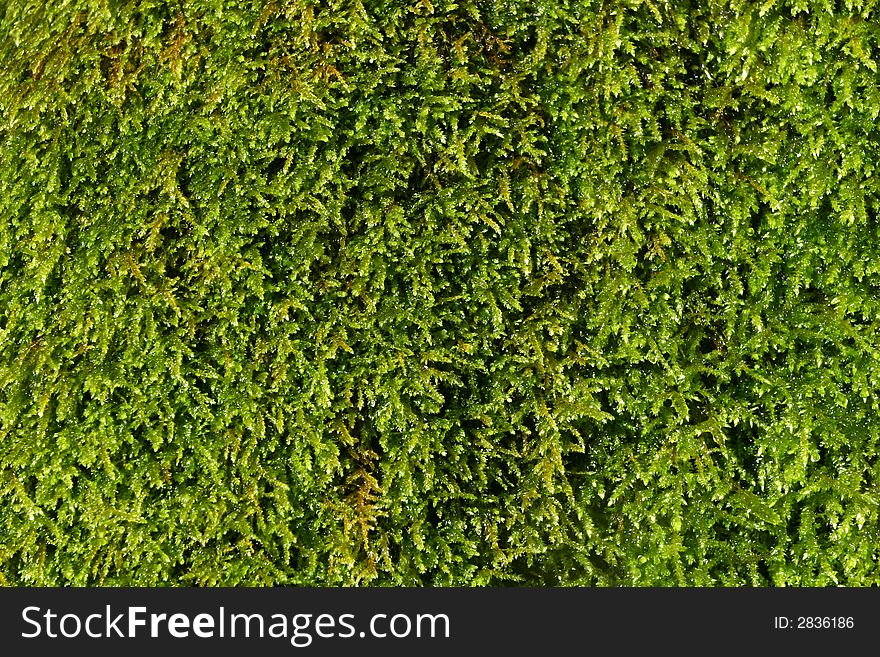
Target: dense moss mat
x,y
434,293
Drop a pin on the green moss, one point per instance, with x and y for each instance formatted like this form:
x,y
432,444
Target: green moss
x,y
516,292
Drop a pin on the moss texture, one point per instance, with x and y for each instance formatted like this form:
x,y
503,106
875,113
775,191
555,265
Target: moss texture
x,y
434,293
